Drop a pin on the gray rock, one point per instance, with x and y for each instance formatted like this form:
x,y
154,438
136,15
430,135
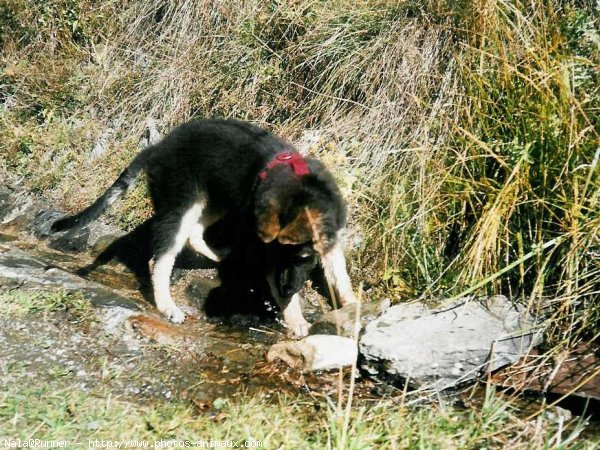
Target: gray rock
x,y
151,134
102,234
444,347
5,203
23,269
25,212
7,101
317,352
74,240
101,144
40,226
16,205
102,243
342,321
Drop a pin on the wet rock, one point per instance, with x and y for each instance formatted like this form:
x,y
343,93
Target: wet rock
x,y
104,298
23,269
114,318
316,352
441,348
43,221
71,241
342,321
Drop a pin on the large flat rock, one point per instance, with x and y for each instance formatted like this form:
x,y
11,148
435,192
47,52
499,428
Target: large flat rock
x,y
444,347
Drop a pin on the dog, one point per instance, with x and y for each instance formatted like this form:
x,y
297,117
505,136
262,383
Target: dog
x,y
207,169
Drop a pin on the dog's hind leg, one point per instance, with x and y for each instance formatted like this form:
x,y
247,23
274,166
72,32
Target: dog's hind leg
x,y
334,266
197,241
171,232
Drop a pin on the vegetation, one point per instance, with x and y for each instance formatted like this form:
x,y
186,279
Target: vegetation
x,y
48,404
464,134
17,303
285,423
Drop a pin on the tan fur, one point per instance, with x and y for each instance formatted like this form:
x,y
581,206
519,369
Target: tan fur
x,y
303,228
298,231
268,226
321,243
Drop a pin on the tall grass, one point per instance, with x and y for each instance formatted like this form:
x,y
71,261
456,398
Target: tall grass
x,y
525,172
464,135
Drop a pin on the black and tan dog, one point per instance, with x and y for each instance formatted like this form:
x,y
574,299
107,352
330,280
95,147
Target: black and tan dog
x,y
205,170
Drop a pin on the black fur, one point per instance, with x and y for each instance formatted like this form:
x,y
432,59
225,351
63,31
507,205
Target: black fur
x,y
222,158
243,272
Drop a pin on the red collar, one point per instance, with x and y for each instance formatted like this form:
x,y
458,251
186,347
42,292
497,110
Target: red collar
x,y
287,158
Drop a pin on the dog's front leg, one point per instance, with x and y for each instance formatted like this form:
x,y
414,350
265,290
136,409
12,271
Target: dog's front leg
x,y
291,309
196,239
292,315
334,266
198,243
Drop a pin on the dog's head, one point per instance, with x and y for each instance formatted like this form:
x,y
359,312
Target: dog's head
x,y
290,266
294,210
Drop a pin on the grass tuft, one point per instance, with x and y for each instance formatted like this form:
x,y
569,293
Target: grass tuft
x,y
19,303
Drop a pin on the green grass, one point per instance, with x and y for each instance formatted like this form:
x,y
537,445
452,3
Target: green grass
x,y
50,406
464,137
52,412
19,303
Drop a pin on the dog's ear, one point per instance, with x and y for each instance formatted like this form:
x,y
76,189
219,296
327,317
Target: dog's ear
x,y
306,226
267,221
297,231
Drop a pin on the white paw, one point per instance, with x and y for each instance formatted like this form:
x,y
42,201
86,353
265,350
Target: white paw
x,y
211,255
299,329
174,314
348,299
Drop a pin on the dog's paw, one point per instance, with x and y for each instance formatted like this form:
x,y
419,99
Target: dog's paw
x,y
174,314
348,299
299,329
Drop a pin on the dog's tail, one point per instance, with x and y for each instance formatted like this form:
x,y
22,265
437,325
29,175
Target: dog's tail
x,y
113,193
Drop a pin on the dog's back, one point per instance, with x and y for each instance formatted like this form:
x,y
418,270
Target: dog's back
x,y
219,158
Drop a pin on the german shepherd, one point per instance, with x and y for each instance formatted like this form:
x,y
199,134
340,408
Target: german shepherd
x,y
207,169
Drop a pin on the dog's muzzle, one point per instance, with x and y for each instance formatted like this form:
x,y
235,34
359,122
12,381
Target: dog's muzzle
x,y
289,282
